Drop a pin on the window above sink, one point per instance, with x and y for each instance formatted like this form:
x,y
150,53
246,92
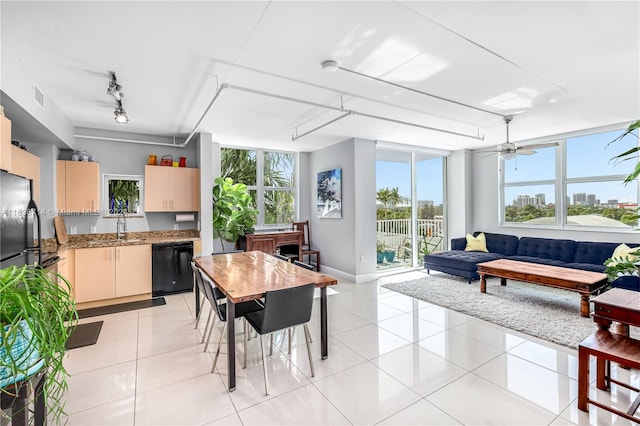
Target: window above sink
x,y
122,194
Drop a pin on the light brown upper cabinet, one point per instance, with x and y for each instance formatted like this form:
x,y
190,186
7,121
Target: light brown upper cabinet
x,y
169,189
5,143
78,186
27,165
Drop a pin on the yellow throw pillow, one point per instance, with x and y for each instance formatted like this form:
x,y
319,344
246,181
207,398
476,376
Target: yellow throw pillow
x,y
624,251
478,243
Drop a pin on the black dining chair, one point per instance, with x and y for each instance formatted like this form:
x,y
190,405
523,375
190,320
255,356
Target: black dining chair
x,y
283,309
281,257
212,296
304,265
221,313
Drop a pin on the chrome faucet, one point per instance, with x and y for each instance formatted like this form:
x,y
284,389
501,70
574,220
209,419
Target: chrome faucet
x,y
121,225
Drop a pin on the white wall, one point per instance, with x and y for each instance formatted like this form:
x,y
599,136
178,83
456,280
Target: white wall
x,y
459,193
207,154
343,241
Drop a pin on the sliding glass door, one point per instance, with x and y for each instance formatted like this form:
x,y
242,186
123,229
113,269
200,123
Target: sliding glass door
x,y
410,207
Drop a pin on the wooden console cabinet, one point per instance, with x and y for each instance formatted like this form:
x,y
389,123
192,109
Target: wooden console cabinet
x,y
268,242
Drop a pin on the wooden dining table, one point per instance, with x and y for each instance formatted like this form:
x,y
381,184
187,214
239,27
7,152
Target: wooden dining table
x,y
248,276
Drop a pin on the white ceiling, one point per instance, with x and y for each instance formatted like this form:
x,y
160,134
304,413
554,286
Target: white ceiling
x,y
557,66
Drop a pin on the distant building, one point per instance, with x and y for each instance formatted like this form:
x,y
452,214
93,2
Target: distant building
x,y
629,206
425,203
579,198
542,198
526,200
591,199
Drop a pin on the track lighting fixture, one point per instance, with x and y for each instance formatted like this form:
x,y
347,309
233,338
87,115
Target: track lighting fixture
x,y
115,90
121,114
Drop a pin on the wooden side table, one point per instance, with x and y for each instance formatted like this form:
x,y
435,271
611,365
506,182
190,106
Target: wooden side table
x,y
16,404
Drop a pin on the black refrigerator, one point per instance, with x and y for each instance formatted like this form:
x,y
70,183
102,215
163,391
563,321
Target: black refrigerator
x,y
18,213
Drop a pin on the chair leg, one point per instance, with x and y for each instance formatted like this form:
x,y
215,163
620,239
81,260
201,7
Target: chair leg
x,y
215,359
199,313
206,345
206,326
270,344
246,331
307,336
264,366
290,331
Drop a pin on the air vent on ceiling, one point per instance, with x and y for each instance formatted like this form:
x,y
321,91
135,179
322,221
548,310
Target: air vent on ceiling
x,y
38,96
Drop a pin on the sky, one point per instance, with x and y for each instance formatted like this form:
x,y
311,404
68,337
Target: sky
x,y
429,178
588,156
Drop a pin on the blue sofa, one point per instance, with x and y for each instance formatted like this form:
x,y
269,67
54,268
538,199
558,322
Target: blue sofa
x,y
585,255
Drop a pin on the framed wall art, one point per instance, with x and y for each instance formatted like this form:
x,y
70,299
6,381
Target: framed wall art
x,y
330,194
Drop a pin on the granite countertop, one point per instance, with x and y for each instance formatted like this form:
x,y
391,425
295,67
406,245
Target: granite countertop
x,y
110,240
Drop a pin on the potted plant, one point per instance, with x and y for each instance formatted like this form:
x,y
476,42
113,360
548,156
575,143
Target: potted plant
x,y
37,314
389,254
233,212
379,252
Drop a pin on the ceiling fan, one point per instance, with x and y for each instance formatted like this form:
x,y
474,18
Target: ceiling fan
x,y
509,150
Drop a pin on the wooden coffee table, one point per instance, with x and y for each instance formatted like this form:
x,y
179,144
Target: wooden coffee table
x,y
583,282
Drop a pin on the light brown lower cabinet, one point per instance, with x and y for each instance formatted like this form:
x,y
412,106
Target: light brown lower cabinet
x,y
66,267
110,272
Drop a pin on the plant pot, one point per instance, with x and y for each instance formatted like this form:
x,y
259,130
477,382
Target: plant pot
x,y
22,353
380,257
389,255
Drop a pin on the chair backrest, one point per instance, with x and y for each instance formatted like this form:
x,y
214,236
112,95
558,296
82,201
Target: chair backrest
x,y
197,276
205,287
281,257
287,307
306,233
303,265
215,253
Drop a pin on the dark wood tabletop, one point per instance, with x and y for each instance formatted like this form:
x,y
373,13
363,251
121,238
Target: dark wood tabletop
x,y
249,275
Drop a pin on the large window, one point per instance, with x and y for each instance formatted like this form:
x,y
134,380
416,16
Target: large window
x,y
576,182
270,177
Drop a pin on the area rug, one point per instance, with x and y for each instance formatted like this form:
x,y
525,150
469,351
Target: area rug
x,y
545,312
121,307
84,335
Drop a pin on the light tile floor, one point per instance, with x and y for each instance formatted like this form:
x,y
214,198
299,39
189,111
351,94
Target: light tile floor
x,y
393,360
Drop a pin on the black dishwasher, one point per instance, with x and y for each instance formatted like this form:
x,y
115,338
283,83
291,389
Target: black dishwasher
x,y
171,268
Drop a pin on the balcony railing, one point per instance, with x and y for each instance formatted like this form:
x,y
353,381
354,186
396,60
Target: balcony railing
x,y
396,235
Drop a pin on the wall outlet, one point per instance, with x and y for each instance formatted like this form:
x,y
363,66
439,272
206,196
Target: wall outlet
x,y
176,227
73,230
362,259
93,230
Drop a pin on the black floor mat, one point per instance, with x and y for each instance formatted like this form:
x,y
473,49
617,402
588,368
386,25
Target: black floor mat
x,y
122,307
84,335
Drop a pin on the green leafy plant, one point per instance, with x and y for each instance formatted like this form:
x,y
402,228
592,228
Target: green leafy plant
x,y
622,265
632,154
380,247
37,312
125,194
233,211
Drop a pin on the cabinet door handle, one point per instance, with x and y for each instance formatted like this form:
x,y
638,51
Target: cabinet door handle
x,y
117,254
171,203
110,255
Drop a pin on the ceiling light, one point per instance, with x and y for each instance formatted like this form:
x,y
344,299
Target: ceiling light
x,y
331,66
121,114
507,155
